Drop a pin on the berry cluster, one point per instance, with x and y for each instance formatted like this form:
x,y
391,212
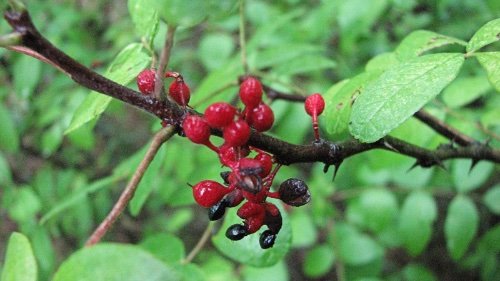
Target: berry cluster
x,y
249,178
178,90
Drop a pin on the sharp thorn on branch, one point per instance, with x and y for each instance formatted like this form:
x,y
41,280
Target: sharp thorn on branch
x,y
473,164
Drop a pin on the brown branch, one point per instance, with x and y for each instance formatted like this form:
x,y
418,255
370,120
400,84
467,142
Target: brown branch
x,y
201,243
163,135
444,129
324,151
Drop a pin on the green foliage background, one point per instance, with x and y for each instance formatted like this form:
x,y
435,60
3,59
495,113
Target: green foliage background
x,y
376,221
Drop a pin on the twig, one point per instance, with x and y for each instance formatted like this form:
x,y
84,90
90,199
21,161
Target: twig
x,y
163,62
201,243
163,135
277,95
444,129
243,45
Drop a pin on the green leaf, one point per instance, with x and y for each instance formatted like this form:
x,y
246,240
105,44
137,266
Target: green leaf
x,y
247,250
487,34
282,53
124,68
492,199
182,13
304,64
355,248
20,263
303,230
165,247
416,272
460,226
415,221
25,205
5,173
277,272
420,41
399,92
9,137
380,208
491,63
382,62
144,17
339,102
318,261
113,262
27,74
465,90
465,179
215,50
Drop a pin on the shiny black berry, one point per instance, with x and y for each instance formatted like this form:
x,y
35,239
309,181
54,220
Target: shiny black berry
x,y
236,232
294,192
267,239
218,210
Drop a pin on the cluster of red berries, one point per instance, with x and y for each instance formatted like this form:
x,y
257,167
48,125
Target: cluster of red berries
x,y
251,171
178,90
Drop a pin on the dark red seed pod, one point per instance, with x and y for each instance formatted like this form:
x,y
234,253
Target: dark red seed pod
x,y
207,193
179,92
220,114
237,133
261,118
146,81
251,92
196,129
314,104
294,192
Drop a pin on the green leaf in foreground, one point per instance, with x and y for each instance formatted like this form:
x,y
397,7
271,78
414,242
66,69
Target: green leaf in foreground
x,y
400,92
113,262
491,63
492,199
247,250
460,226
465,90
124,68
487,34
20,263
420,41
144,17
415,222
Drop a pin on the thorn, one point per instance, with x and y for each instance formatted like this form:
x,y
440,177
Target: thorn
x,y
10,39
337,166
388,145
441,165
416,164
473,164
325,168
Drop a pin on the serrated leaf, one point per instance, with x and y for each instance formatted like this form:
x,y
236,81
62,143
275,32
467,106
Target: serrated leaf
x,y
464,90
124,68
492,199
415,221
180,12
487,34
247,250
9,137
491,63
113,262
421,41
399,92
20,263
460,226
339,102
144,17
318,260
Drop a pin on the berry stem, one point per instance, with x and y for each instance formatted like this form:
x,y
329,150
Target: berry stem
x,y
201,243
162,136
163,62
315,126
243,45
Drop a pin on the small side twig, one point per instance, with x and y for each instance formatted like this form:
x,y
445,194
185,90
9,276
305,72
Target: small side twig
x,y
163,135
443,128
201,243
163,62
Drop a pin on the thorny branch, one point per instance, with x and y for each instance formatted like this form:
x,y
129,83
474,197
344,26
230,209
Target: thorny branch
x,y
327,152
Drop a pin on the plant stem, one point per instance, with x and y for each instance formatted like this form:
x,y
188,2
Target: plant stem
x,y
201,243
163,135
243,45
163,62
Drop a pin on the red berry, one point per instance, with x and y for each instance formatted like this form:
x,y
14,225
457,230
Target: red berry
x,y
196,129
146,81
237,133
227,154
315,104
249,166
207,193
266,162
220,114
251,92
261,118
179,92
253,214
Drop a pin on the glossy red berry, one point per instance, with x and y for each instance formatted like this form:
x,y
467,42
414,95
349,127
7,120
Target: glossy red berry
x,y
237,133
249,166
315,104
146,81
179,92
251,92
266,162
207,193
196,129
261,118
219,114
